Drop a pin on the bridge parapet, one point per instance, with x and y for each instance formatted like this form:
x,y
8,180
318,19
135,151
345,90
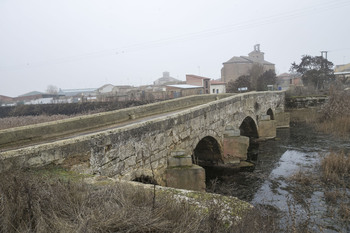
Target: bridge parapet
x,y
44,131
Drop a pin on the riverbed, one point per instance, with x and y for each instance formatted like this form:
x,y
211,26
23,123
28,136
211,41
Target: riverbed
x,y
298,149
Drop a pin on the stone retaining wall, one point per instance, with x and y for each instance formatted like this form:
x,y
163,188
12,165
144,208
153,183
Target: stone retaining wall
x,y
305,102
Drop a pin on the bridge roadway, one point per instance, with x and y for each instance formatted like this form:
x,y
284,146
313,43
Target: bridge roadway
x,y
87,132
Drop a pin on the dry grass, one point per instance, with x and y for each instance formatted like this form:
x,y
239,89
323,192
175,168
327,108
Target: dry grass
x,y
30,203
336,115
334,118
339,126
335,175
344,211
337,105
35,202
335,168
302,178
333,196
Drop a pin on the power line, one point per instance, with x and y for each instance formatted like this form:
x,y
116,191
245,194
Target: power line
x,y
244,25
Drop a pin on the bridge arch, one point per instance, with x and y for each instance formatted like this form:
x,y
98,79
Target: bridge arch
x,y
270,113
248,128
208,151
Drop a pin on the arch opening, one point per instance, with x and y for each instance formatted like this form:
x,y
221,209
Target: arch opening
x,y
270,113
145,180
248,128
207,152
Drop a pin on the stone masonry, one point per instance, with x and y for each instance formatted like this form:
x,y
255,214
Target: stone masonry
x,y
143,148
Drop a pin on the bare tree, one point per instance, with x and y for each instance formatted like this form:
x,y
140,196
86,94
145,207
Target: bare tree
x,y
51,89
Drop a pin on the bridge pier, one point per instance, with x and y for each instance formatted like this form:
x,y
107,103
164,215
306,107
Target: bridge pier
x,y
267,127
235,146
183,174
282,118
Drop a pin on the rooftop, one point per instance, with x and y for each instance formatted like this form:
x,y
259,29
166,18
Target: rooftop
x,y
246,59
31,93
184,86
196,76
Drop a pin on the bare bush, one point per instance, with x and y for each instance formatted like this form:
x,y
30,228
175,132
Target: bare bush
x,y
332,196
336,168
338,105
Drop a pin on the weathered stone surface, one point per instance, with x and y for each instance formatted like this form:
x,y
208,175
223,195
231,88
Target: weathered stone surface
x,y
282,119
231,131
191,178
179,159
267,129
265,118
118,152
235,149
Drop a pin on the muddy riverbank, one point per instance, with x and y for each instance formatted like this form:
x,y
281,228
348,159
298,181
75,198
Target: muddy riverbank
x,y
274,184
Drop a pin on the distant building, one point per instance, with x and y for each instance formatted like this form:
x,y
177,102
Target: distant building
x,y
342,68
199,81
32,98
217,87
342,72
105,89
78,92
182,90
166,80
285,81
238,66
32,93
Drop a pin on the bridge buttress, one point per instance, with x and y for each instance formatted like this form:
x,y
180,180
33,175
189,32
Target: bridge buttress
x,y
235,146
267,127
182,173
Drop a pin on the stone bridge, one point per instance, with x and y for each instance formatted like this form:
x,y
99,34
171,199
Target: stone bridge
x,y
168,149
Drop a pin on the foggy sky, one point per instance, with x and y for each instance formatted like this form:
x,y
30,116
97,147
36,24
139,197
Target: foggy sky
x,y
86,43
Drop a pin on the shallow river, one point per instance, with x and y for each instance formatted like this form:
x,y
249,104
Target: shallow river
x,y
295,149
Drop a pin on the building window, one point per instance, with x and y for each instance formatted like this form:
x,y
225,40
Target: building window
x,y
213,90
217,91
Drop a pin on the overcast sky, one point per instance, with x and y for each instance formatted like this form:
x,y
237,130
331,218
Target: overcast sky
x,y
89,43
